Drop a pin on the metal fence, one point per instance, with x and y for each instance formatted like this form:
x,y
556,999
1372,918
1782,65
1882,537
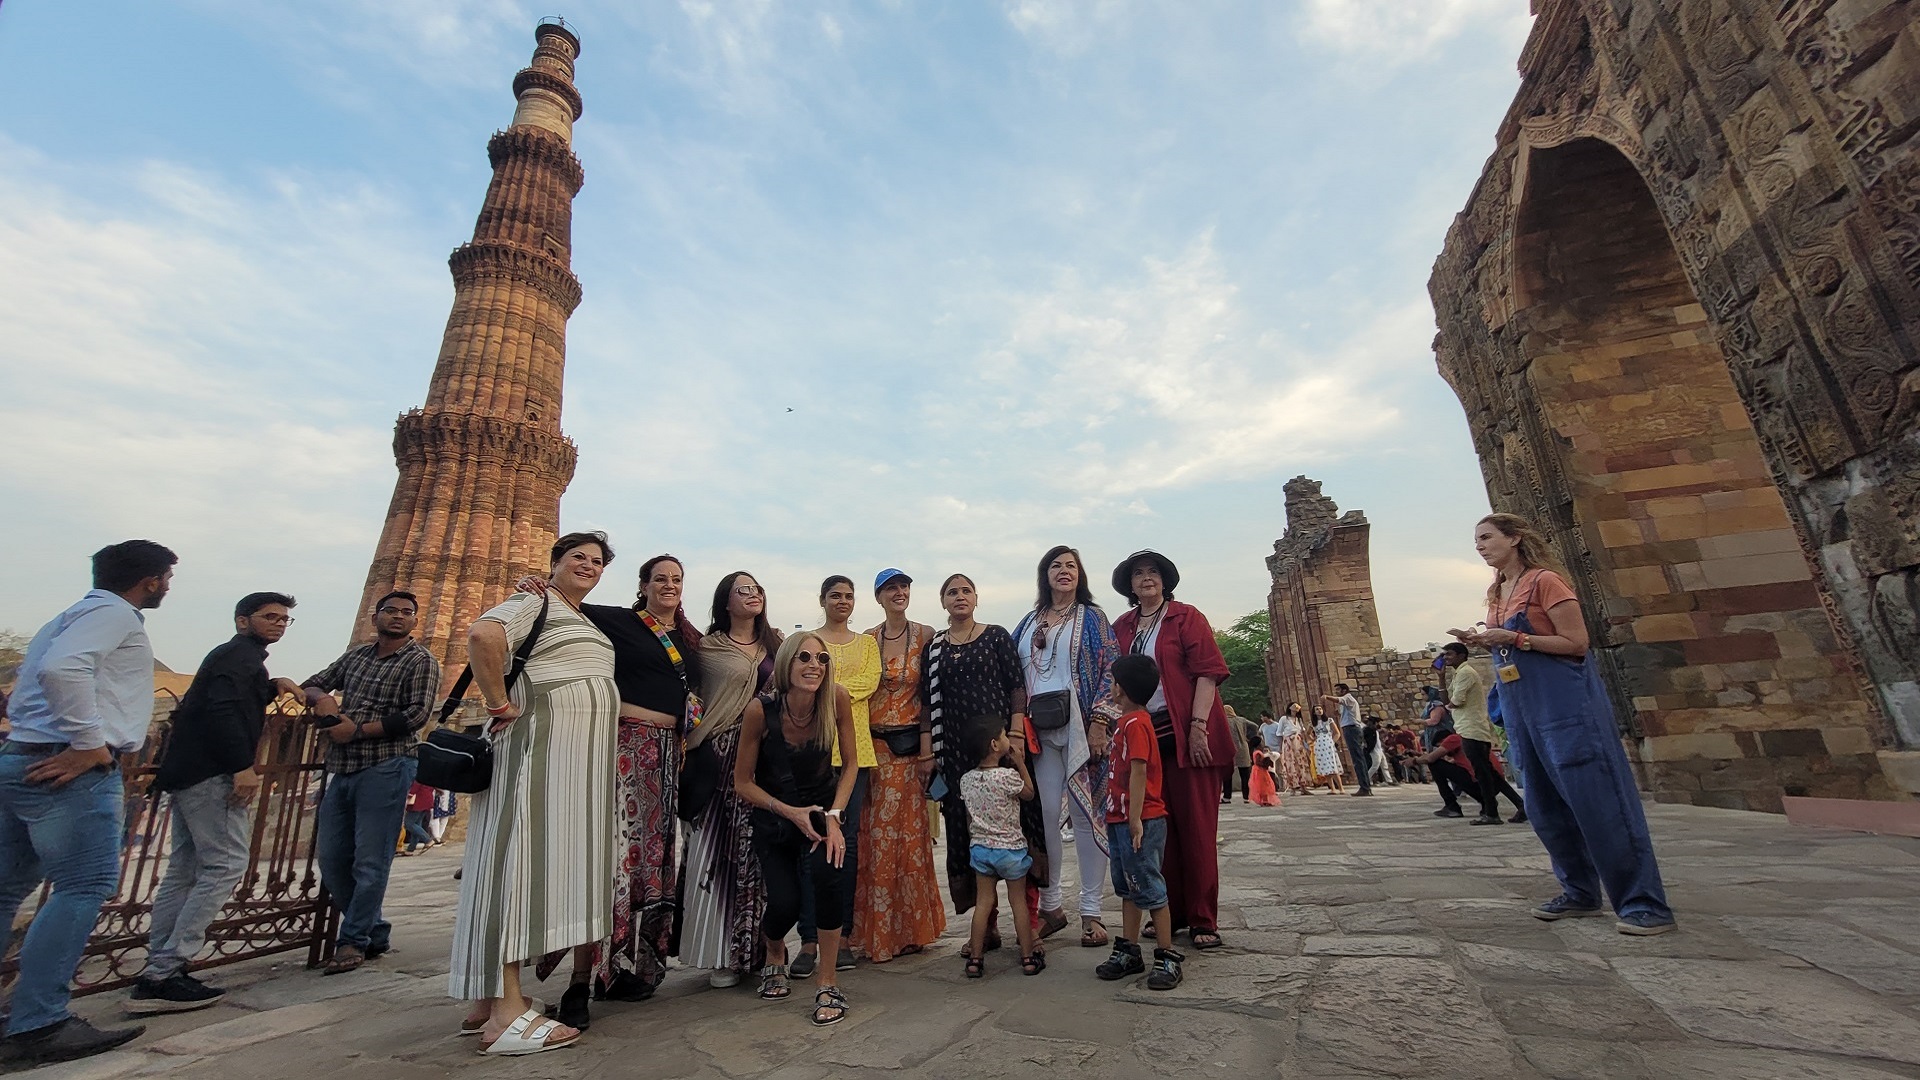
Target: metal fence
x,y
279,906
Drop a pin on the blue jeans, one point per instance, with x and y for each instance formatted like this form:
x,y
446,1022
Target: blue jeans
x,y
1137,875
1007,864
69,836
1357,750
359,822
417,834
210,846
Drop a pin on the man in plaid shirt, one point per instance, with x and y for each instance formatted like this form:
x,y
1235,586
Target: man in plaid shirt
x,y
387,690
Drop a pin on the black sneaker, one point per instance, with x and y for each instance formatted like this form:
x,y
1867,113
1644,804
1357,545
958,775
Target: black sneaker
x,y
1449,811
179,992
1124,961
844,960
803,965
69,1040
1486,819
1166,969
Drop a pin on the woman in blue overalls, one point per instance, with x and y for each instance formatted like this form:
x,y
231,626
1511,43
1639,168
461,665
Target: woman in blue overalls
x,y
1580,792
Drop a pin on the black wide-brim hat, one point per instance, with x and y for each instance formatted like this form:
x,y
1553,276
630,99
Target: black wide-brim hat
x,y
1123,574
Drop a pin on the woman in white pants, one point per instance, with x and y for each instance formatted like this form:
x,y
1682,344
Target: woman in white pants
x,y
1066,649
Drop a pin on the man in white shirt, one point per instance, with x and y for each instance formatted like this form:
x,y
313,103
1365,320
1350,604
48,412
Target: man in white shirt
x,y
84,697
1349,707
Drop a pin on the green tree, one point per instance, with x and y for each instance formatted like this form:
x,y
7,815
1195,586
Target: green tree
x,y
1244,644
13,651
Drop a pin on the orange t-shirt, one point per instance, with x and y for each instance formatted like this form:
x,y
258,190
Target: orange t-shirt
x,y
1540,591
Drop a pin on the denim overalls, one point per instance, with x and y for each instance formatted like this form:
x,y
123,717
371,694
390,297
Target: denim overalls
x,y
1580,794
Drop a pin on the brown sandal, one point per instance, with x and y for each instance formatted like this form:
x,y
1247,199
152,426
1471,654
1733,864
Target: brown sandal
x,y
1052,922
1093,934
345,959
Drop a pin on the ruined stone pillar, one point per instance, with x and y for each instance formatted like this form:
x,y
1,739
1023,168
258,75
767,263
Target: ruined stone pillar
x,y
483,463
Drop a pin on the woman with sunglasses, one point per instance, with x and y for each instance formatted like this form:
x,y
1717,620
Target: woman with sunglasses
x,y
785,772
970,673
722,896
1066,649
897,909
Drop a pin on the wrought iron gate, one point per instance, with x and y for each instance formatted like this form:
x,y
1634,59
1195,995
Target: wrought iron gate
x,y
279,906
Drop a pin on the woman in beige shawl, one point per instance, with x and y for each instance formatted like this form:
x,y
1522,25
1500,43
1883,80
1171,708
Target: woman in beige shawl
x,y
722,896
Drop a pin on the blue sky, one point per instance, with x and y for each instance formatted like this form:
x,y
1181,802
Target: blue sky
x,y
1032,272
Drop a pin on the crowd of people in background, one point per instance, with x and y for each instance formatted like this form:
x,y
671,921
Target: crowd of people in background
x,y
727,787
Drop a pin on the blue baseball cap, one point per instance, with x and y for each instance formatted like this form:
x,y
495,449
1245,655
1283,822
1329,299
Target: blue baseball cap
x,y
881,579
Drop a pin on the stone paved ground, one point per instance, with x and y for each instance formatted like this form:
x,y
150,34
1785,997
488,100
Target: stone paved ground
x,y
1365,938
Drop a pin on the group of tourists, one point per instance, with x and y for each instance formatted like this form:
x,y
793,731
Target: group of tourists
x,y
802,765
657,790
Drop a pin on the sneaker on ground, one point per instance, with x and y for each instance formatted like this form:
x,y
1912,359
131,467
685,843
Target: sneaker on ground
x,y
1449,811
1563,907
69,1040
1486,819
844,961
1642,924
1519,818
179,992
723,978
1166,970
1122,962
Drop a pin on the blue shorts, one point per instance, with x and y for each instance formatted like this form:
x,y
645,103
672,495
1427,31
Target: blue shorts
x,y
1136,874
1007,864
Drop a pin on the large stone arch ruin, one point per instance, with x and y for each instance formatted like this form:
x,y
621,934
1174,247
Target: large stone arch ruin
x,y
1682,312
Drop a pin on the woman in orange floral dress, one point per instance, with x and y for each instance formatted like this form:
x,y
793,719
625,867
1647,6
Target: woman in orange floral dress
x,y
897,904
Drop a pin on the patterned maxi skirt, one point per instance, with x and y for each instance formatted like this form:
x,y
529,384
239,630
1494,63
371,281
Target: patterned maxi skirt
x,y
897,897
722,895
538,870
648,790
1294,773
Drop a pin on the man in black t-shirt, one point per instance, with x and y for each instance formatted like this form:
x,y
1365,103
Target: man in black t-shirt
x,y
207,769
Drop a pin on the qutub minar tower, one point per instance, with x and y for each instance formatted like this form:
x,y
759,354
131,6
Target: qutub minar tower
x,y
483,463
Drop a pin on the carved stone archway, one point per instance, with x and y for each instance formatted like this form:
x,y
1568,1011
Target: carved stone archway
x,y
1772,144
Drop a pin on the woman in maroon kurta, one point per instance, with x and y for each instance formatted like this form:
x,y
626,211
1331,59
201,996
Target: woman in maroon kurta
x,y
1196,748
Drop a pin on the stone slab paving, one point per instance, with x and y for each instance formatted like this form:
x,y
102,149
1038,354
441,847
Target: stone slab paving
x,y
1366,938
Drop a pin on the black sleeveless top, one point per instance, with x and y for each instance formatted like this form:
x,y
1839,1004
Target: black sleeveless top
x,y
796,775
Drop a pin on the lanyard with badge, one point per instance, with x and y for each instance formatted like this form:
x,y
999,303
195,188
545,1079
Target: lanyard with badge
x,y
1506,665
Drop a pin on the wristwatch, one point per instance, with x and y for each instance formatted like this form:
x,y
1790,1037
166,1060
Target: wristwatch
x,y
837,815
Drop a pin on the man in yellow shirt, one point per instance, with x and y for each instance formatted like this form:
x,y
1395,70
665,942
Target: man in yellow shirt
x,y
1467,700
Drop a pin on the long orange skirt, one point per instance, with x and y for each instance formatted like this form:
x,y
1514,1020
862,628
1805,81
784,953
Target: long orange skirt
x,y
897,903
1260,783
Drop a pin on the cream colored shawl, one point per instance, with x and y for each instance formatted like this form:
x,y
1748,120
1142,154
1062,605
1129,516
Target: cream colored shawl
x,y
727,680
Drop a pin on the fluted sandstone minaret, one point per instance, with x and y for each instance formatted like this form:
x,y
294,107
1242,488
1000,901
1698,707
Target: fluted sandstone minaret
x,y
483,464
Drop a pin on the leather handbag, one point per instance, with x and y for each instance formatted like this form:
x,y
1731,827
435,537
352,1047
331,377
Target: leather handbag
x,y
455,760
1050,711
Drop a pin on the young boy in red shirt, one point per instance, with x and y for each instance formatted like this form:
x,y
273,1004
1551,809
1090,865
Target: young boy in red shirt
x,y
1137,829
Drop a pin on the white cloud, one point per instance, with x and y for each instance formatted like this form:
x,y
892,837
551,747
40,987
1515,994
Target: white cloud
x,y
1399,30
1067,26
457,43
204,364
1174,382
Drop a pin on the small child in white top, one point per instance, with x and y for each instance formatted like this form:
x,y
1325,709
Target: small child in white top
x,y
992,791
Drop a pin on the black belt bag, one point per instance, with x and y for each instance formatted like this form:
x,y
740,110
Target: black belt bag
x,y
1050,711
902,742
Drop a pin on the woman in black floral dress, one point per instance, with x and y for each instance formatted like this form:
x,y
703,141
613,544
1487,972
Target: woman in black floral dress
x,y
970,673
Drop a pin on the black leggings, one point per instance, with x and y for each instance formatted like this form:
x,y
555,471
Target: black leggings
x,y
1226,792
782,849
1491,785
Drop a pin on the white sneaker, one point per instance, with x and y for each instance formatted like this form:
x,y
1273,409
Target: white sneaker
x,y
723,978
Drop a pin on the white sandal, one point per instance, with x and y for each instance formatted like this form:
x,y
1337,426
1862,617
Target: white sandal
x,y
533,1003
528,1034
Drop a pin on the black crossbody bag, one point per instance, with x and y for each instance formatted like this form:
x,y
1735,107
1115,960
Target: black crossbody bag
x,y
454,760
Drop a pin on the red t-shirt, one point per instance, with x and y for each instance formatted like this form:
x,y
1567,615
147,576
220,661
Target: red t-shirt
x,y
1455,750
1133,740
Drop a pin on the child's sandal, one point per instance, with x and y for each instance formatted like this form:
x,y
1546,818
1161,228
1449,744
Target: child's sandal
x,y
976,967
1033,963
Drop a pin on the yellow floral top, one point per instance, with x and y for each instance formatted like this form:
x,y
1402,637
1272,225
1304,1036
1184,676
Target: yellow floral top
x,y
856,666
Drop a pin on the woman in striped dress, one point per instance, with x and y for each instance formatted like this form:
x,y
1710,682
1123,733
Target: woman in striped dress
x,y
722,895
538,872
